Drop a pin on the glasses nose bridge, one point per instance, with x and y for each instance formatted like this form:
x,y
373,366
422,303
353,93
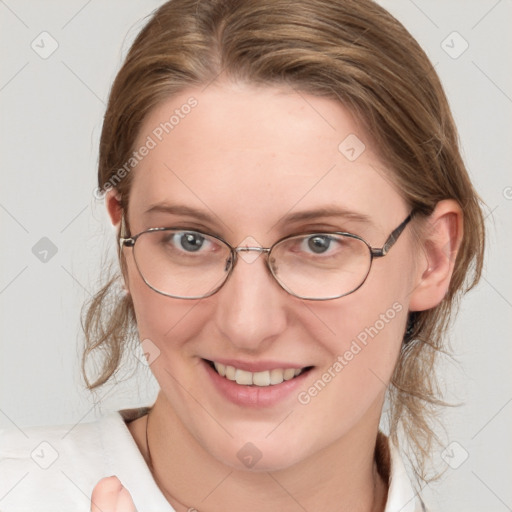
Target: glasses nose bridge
x,y
248,249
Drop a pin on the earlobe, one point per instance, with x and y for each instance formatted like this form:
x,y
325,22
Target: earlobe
x,y
441,238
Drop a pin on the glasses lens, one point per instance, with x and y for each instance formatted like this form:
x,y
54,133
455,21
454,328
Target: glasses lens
x,y
189,264
321,265
184,264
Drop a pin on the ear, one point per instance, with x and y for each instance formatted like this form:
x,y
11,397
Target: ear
x,y
115,212
441,238
113,204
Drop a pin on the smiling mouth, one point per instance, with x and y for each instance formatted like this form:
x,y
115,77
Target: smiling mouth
x,y
262,379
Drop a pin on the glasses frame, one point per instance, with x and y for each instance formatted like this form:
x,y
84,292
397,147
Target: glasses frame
x,y
375,252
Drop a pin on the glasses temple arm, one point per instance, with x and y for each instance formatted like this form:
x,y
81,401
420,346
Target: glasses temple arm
x,y
393,237
124,241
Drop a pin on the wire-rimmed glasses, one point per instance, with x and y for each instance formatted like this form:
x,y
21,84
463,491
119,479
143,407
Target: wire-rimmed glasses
x,y
190,264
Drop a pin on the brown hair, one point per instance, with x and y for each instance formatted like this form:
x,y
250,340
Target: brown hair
x,y
352,51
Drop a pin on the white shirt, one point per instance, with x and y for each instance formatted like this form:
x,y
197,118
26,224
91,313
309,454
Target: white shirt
x,y
54,469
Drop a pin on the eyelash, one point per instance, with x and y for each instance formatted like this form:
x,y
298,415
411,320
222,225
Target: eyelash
x,y
310,228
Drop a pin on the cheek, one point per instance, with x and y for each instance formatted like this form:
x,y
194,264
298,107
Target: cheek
x,y
161,319
366,345
363,334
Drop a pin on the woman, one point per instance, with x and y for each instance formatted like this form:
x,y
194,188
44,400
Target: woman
x,y
294,224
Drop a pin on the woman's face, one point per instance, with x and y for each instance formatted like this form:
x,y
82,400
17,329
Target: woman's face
x,y
248,160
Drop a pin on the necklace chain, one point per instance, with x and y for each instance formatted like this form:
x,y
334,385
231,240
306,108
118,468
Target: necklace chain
x,y
167,494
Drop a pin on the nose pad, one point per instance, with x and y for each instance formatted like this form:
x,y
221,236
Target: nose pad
x,y
272,266
248,310
229,263
249,254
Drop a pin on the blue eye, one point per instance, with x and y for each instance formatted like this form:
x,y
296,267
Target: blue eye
x,y
319,243
190,241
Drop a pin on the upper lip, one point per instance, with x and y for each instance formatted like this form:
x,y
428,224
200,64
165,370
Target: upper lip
x,y
257,366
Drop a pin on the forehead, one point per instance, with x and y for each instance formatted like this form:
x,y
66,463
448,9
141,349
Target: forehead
x,y
251,154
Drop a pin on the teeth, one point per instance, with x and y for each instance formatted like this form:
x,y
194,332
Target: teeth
x,y
266,378
230,372
289,373
276,376
221,369
243,377
261,378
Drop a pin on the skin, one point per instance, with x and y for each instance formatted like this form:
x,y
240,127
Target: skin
x,y
109,495
249,156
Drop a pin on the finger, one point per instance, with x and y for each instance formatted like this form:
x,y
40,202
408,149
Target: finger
x,y
125,502
109,495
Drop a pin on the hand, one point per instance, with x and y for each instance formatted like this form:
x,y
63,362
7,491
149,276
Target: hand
x,y
109,495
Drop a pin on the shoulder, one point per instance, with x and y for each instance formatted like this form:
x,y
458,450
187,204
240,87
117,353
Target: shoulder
x,y
55,468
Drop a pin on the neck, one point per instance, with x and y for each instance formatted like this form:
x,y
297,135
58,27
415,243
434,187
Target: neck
x,y
191,479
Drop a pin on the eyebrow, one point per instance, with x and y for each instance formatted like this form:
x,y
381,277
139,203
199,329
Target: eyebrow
x,y
178,210
317,213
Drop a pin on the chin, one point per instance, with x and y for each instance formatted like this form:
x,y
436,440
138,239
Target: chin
x,y
260,455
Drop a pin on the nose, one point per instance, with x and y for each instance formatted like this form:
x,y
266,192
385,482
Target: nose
x,y
251,308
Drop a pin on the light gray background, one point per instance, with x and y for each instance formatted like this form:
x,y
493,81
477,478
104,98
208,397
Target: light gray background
x,y
51,114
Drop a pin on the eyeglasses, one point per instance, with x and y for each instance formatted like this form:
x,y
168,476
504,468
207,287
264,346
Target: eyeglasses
x,y
188,264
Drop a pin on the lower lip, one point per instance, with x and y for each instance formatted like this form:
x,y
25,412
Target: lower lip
x,y
254,396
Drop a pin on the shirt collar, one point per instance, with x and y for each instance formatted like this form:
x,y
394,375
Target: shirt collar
x,y
401,495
